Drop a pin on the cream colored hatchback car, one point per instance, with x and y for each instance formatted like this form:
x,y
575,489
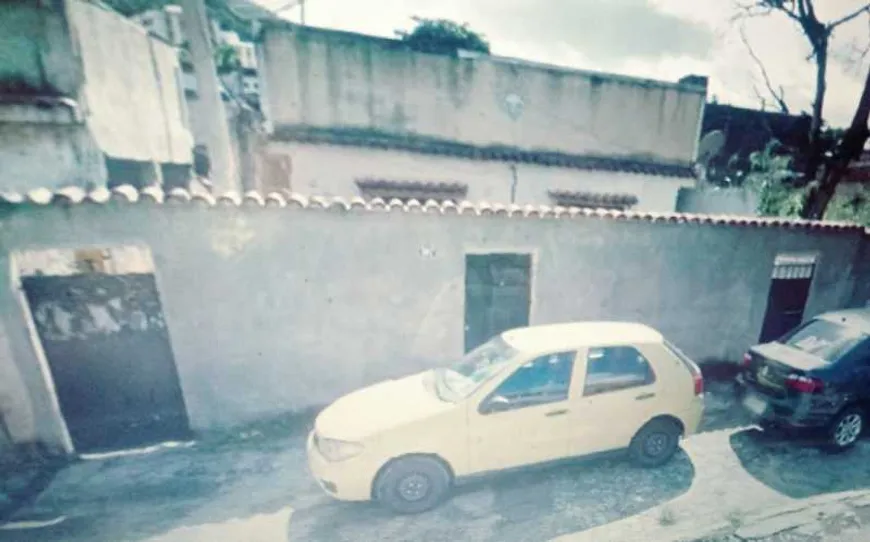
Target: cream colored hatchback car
x,y
528,396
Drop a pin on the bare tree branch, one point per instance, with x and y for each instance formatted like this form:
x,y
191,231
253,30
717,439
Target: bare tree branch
x,y
751,9
778,97
846,18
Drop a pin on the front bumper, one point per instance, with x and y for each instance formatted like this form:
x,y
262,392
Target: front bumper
x,y
348,480
764,408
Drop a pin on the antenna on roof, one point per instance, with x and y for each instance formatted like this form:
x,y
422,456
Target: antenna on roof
x,y
708,148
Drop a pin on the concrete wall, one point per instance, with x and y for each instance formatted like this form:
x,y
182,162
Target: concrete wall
x,y
325,78
861,292
48,155
132,90
37,53
332,170
718,201
276,309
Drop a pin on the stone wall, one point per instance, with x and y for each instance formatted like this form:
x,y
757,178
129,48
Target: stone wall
x,y
276,309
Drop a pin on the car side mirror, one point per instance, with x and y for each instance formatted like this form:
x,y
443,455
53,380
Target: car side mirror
x,y
496,403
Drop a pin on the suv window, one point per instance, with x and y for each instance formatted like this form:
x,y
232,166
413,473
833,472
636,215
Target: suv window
x,y
543,380
826,340
615,368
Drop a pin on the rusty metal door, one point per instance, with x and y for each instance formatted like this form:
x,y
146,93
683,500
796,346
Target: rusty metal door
x,y
497,295
792,278
106,343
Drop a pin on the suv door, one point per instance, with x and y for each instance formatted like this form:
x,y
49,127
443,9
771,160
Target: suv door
x,y
621,391
524,420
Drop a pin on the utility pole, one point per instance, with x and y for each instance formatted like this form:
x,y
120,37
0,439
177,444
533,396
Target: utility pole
x,y
210,107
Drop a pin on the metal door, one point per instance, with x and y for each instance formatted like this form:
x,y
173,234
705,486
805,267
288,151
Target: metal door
x,y
497,295
108,349
789,289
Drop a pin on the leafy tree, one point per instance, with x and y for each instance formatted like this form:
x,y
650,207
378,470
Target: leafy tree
x,y
772,175
442,36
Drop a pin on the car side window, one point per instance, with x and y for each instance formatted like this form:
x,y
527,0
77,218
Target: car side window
x,y
858,356
614,368
546,379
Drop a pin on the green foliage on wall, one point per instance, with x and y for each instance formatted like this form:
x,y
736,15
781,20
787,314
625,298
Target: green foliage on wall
x,y
772,175
442,36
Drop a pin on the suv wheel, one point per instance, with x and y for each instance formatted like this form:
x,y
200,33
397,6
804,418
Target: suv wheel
x,y
412,485
655,444
846,429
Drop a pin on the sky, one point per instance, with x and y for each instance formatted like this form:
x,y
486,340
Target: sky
x,y
657,39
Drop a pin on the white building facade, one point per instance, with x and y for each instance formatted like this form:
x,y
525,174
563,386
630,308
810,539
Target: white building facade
x,y
362,116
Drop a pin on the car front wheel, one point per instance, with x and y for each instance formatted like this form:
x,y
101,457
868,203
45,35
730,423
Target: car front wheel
x,y
411,485
846,429
655,444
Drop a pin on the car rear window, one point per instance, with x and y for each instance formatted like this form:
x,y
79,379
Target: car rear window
x,y
826,340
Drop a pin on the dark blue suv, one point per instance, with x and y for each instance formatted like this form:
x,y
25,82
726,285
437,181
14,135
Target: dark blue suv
x,y
816,378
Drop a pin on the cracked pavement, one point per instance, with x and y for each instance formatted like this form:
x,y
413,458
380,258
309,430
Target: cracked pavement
x,y
254,487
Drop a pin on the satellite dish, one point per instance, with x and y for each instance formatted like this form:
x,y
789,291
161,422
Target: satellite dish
x,y
710,146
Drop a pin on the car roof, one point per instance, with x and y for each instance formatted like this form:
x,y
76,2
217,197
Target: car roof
x,y
573,335
856,318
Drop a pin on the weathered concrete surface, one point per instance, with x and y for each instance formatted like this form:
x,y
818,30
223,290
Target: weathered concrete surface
x,y
330,170
327,78
752,486
272,310
258,484
254,486
839,517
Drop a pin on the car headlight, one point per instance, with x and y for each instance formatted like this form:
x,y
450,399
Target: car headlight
x,y
337,450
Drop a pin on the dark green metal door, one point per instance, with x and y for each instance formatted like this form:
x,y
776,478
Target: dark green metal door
x,y
106,343
497,295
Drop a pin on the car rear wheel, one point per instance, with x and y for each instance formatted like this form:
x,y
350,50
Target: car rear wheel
x,y
411,485
655,444
846,429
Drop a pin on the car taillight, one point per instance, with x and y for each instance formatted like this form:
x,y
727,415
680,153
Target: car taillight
x,y
804,384
747,359
699,383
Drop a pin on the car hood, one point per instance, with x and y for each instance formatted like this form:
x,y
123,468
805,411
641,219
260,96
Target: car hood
x,y
380,407
787,355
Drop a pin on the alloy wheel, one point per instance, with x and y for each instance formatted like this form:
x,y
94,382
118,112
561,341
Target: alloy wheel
x,y
848,430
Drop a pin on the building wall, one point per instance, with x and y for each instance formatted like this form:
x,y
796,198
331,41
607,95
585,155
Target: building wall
x,y
277,309
48,155
132,92
332,171
325,78
718,201
861,272
37,54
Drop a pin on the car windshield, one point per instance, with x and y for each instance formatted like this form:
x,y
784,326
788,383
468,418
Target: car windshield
x,y
476,367
824,339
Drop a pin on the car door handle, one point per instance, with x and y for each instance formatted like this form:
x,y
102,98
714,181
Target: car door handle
x,y
556,412
644,396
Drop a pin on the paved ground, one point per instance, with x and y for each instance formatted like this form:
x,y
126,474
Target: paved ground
x,y
254,487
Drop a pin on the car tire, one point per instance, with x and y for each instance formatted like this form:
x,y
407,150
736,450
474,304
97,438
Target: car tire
x,y
412,485
846,429
655,444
